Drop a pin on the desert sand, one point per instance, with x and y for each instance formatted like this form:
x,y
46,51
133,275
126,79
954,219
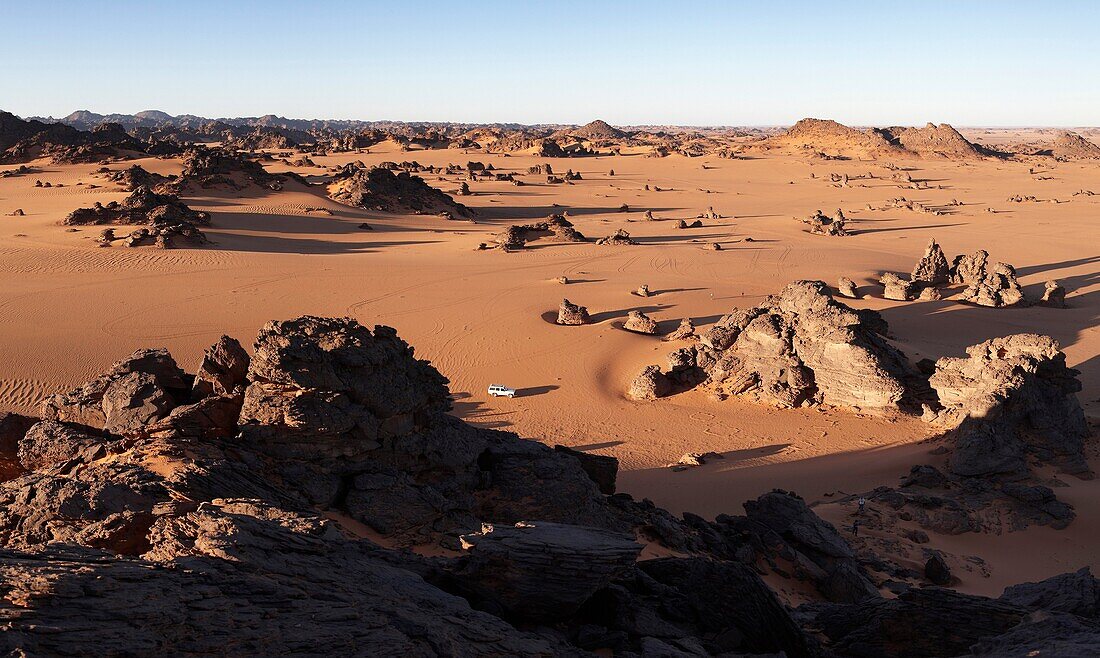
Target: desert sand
x,y
68,308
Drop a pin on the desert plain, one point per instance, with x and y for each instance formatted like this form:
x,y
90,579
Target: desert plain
x,y
481,314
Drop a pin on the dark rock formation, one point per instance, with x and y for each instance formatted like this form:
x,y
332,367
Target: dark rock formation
x,y
543,571
1008,398
1076,593
380,189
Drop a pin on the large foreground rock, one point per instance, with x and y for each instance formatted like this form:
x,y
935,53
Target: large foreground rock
x,y
543,571
1011,397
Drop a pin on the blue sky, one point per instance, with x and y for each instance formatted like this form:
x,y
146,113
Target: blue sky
x,y
689,63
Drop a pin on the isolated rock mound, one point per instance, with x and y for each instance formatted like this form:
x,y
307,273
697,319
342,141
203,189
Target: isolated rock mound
x,y
1010,398
650,384
618,238
996,287
802,347
821,224
1071,146
932,269
381,189
827,136
572,314
933,141
166,219
640,323
556,228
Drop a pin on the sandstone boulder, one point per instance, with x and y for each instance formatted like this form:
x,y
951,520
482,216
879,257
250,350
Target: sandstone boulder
x,y
802,347
650,384
640,323
1010,397
932,269
572,314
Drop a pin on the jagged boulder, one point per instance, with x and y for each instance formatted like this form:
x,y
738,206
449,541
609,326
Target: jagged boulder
x,y
802,347
997,288
650,384
139,389
1076,593
379,188
932,269
812,544
640,323
543,571
224,368
572,314
966,270
1009,397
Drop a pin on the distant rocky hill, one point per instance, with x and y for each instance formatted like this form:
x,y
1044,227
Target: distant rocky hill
x,y
828,137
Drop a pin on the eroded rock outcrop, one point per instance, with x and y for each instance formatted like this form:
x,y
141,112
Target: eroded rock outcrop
x,y
997,287
543,571
640,323
802,347
932,269
378,188
572,314
1012,397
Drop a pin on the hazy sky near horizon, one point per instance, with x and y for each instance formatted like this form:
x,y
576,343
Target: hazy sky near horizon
x,y
567,61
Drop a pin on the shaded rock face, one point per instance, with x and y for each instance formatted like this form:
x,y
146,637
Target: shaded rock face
x,y
720,608
543,571
194,543
572,314
13,427
1076,593
1011,397
242,577
932,269
918,623
381,189
802,347
137,390
814,546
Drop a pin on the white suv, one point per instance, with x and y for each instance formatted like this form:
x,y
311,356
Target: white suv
x,y
498,390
